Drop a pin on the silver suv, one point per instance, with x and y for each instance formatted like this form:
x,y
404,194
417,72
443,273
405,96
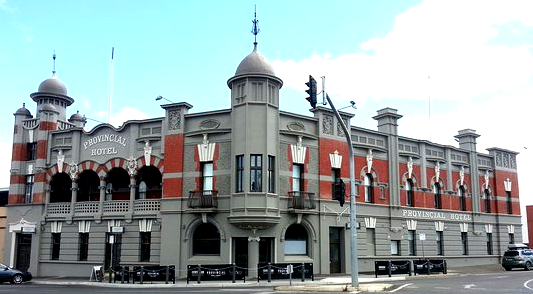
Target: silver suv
x,y
517,256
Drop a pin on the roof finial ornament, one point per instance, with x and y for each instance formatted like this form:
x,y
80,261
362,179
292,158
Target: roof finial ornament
x,y
255,26
54,63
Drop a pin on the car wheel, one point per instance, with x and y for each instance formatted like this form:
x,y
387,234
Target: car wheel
x,y
507,268
528,266
17,279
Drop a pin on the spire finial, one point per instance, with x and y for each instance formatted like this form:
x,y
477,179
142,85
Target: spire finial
x,y
54,62
255,26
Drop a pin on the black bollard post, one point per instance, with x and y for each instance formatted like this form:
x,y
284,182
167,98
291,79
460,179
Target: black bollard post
x,y
233,272
110,274
389,268
303,272
269,267
199,273
142,274
166,274
122,275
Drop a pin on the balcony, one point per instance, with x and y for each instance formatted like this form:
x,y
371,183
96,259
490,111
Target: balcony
x,y
203,199
299,200
144,207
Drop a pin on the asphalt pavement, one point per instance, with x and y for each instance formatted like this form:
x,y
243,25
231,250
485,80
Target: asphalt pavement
x,y
324,283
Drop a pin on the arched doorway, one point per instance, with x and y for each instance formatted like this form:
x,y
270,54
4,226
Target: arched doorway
x,y
60,186
117,184
88,186
149,183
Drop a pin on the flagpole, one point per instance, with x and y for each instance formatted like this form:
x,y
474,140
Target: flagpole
x,y
110,86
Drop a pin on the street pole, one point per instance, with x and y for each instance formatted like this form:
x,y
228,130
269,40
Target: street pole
x,y
353,215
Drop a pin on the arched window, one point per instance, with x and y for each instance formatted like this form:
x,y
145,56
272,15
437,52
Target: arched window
x,y
151,180
296,240
88,186
369,190
142,190
60,188
487,201
409,200
206,240
462,198
120,184
436,192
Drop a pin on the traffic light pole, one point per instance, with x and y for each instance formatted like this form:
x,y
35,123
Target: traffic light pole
x,y
353,215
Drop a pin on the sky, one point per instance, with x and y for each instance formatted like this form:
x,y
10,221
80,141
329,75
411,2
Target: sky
x,y
445,65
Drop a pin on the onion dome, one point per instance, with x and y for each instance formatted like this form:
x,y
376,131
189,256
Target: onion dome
x,y
76,117
46,107
255,63
23,111
53,86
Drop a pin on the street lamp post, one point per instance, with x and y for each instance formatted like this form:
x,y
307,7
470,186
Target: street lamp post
x,y
161,97
353,215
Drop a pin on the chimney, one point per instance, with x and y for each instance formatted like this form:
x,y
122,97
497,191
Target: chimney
x,y
467,139
388,120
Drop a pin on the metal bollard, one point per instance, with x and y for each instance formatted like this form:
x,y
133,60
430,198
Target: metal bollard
x,y
110,274
269,267
142,274
233,273
122,275
166,274
199,273
303,272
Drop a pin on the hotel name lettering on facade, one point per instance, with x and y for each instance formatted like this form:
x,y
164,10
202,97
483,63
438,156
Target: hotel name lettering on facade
x,y
101,139
436,215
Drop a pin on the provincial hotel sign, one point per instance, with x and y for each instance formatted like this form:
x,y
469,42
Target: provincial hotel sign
x,y
435,215
95,142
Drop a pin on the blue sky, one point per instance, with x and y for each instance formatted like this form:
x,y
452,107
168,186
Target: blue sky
x,y
472,59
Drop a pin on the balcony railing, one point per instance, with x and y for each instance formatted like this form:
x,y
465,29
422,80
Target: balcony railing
x,y
59,208
115,206
86,207
147,205
302,200
203,199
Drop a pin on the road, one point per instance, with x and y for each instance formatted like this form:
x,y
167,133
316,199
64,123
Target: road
x,y
493,283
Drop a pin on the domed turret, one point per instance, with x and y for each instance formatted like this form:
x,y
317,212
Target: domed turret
x,y
53,86
78,119
255,63
23,111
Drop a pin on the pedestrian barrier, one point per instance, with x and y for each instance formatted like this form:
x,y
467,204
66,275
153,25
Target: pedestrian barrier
x,y
428,266
269,271
148,273
215,272
392,267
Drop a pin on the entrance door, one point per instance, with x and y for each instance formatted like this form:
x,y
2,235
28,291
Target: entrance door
x,y
265,250
335,250
240,253
113,247
23,251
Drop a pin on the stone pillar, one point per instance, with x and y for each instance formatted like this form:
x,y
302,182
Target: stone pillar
x,y
132,197
102,197
74,197
253,257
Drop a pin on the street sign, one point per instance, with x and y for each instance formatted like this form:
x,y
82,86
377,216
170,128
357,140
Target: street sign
x,y
422,236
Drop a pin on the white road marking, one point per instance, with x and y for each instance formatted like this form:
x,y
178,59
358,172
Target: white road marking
x,y
399,288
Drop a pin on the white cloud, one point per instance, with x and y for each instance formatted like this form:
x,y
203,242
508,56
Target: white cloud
x,y
125,114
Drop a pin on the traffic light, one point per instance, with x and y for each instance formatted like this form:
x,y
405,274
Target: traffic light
x,y
340,191
311,91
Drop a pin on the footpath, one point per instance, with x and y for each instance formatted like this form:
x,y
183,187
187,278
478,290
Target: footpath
x,y
367,282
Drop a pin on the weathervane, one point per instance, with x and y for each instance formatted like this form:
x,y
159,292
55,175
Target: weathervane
x,y
255,26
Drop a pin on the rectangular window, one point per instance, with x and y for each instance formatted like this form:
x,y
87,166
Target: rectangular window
x,y
271,174
56,244
146,239
335,178
207,176
411,238
440,243
436,191
409,192
395,247
256,173
509,203
511,238
489,244
31,149
369,189
239,173
28,189
297,177
464,242
257,91
371,241
83,246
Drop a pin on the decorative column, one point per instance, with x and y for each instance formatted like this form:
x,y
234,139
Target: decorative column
x,y
253,256
102,197
132,171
